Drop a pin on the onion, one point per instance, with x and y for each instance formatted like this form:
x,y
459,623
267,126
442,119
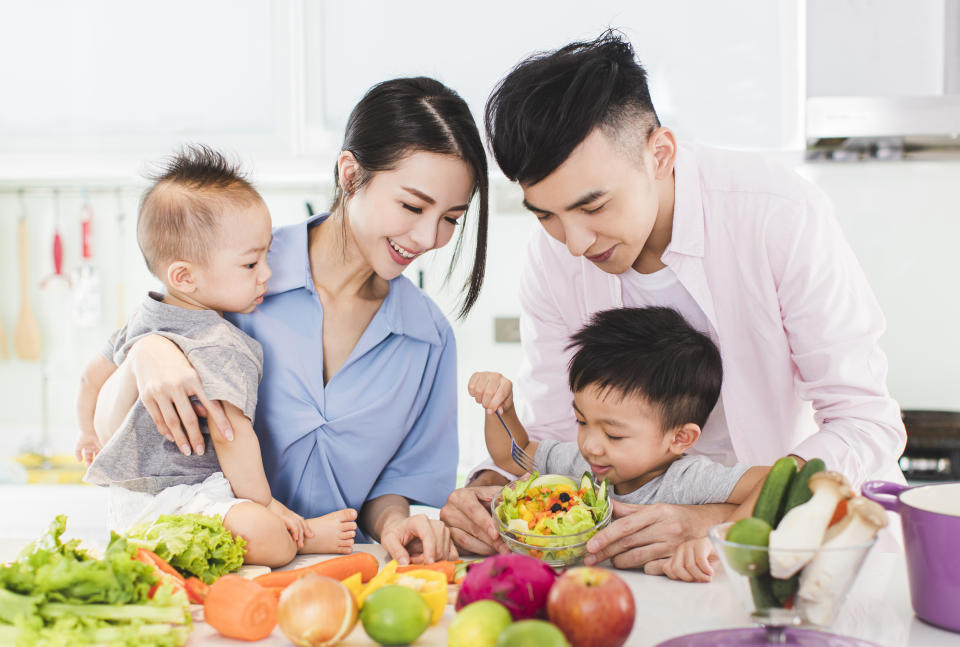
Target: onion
x,y
316,611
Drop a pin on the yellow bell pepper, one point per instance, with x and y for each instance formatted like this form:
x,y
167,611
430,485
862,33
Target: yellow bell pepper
x,y
431,585
355,584
381,579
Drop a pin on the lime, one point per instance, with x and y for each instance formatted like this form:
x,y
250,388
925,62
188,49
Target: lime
x,y
532,633
750,557
478,624
395,615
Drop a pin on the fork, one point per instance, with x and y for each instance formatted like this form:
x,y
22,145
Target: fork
x,y
520,457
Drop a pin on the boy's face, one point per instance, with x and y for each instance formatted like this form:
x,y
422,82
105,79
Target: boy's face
x,y
603,201
621,438
234,278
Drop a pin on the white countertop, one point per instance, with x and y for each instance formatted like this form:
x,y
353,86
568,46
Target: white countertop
x,y
877,609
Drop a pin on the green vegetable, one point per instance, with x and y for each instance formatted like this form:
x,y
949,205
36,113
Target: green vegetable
x,y
57,594
760,588
785,589
769,504
193,544
799,490
747,533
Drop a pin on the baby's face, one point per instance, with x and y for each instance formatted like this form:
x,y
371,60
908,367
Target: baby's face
x,y
620,437
234,278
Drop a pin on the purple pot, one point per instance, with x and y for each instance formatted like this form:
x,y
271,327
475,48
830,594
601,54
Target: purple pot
x,y
931,530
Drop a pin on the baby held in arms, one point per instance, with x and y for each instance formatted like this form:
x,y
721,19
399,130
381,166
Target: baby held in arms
x,y
643,382
204,232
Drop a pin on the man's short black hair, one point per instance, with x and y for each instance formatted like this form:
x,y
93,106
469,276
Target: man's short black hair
x,y
552,101
652,353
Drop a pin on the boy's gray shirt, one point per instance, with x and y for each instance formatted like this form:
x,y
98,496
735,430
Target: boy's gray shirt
x,y
689,480
229,364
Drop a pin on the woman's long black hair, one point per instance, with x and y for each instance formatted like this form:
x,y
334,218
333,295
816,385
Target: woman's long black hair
x,y
403,116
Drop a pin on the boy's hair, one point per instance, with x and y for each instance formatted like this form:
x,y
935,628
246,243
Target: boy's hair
x,y
652,353
551,101
179,214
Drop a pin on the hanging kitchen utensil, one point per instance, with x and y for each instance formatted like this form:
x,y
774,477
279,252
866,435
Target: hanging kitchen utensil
x,y
86,293
27,342
57,246
121,259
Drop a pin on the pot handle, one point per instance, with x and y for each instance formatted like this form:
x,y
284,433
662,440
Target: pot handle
x,y
885,493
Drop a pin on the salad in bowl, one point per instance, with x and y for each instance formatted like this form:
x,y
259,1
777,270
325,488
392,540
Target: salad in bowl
x,y
552,517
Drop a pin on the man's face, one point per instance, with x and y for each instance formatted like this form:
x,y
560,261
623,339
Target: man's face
x,y
603,201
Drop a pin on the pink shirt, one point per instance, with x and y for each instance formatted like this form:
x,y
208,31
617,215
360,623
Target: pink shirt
x,y
759,250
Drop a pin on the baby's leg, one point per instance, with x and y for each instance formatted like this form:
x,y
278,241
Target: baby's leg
x,y
268,541
332,533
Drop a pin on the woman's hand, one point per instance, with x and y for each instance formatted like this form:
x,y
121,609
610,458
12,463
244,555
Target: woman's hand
x,y
691,562
418,540
647,535
467,514
296,524
492,391
166,382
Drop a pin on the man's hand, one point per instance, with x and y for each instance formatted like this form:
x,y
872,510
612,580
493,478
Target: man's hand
x,y
467,514
648,535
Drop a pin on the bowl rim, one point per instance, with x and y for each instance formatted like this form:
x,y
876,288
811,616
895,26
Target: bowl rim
x,y
714,534
504,530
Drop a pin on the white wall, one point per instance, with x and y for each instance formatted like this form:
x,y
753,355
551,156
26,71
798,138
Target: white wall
x,y
723,73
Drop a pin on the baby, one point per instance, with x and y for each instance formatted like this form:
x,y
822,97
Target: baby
x,y
643,384
204,232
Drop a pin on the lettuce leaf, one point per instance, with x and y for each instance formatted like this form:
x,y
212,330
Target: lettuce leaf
x,y
193,544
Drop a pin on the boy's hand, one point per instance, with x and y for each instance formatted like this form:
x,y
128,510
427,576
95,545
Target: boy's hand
x,y
295,523
691,562
492,391
88,446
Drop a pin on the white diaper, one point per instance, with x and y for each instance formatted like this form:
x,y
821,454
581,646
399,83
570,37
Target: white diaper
x,y
127,508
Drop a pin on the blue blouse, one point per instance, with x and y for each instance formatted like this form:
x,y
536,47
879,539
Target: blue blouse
x,y
386,423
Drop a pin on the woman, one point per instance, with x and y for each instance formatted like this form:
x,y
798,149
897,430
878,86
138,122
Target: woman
x,y
357,404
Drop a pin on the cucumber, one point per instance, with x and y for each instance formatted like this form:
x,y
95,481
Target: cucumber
x,y
552,481
783,590
749,532
799,491
774,490
762,591
586,484
603,501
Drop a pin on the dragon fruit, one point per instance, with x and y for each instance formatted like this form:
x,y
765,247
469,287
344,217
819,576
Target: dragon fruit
x,y
518,582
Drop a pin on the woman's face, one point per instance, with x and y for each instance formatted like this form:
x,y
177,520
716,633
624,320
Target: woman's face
x,y
415,207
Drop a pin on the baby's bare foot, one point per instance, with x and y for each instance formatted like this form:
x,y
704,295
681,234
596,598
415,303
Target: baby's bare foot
x,y
332,533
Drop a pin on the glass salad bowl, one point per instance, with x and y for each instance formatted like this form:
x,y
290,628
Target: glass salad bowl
x,y
556,549
812,598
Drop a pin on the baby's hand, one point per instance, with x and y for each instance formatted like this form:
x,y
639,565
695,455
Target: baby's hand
x,y
88,446
295,523
691,561
492,391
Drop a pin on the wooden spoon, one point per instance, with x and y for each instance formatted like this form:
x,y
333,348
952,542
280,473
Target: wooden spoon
x,y
27,342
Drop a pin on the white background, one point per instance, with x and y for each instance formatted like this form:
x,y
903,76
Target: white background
x,y
92,91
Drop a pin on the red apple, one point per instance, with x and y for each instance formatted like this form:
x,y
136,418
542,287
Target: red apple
x,y
592,606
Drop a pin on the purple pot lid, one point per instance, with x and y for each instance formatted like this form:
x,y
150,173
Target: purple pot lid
x,y
756,637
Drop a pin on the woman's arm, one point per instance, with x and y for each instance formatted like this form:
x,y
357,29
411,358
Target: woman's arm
x,y
417,538
157,370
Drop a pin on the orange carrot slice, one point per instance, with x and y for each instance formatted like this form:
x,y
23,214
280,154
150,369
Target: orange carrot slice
x,y
240,608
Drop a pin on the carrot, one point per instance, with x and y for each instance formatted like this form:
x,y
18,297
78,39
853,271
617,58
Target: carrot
x,y
448,568
339,568
240,608
839,512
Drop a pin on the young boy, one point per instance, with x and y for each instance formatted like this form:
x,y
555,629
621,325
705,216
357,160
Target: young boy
x,y
643,382
204,232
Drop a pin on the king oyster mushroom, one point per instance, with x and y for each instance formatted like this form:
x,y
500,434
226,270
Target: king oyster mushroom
x,y
829,574
800,532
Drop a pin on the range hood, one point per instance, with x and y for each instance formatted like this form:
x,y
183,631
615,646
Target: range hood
x,y
883,78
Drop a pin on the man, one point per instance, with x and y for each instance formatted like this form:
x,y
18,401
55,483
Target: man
x,y
746,251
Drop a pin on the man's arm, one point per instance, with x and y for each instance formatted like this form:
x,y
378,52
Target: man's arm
x,y
240,458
